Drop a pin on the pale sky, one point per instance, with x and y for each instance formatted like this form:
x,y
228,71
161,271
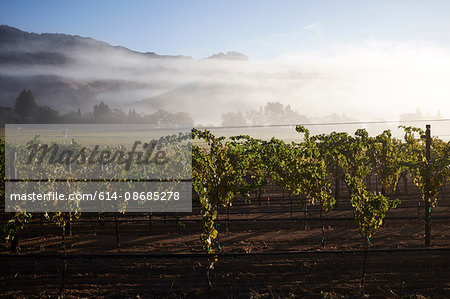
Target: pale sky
x,y
259,28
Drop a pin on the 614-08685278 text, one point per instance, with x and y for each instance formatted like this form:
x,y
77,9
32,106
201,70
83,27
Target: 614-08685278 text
x,y
155,195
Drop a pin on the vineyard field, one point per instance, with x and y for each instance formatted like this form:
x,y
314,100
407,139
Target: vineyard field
x,y
328,215
265,251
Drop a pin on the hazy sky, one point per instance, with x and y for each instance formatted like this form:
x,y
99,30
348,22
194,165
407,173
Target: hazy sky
x,y
263,30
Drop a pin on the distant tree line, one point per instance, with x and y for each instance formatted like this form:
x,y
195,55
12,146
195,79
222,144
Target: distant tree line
x,y
275,113
26,110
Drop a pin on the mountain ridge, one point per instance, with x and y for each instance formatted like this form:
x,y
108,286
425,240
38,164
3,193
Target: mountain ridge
x,y
70,72
61,41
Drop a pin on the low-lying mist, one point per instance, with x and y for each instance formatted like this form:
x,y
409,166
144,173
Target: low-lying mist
x,y
371,80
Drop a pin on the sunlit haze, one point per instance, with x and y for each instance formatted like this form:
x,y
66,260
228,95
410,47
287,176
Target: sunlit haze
x,y
367,61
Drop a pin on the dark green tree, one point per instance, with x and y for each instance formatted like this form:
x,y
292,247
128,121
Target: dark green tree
x,y
26,106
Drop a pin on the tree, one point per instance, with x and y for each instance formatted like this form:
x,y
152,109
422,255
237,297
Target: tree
x,y
387,156
274,113
46,114
133,117
330,146
428,161
215,177
369,209
233,119
8,116
102,113
26,106
315,176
